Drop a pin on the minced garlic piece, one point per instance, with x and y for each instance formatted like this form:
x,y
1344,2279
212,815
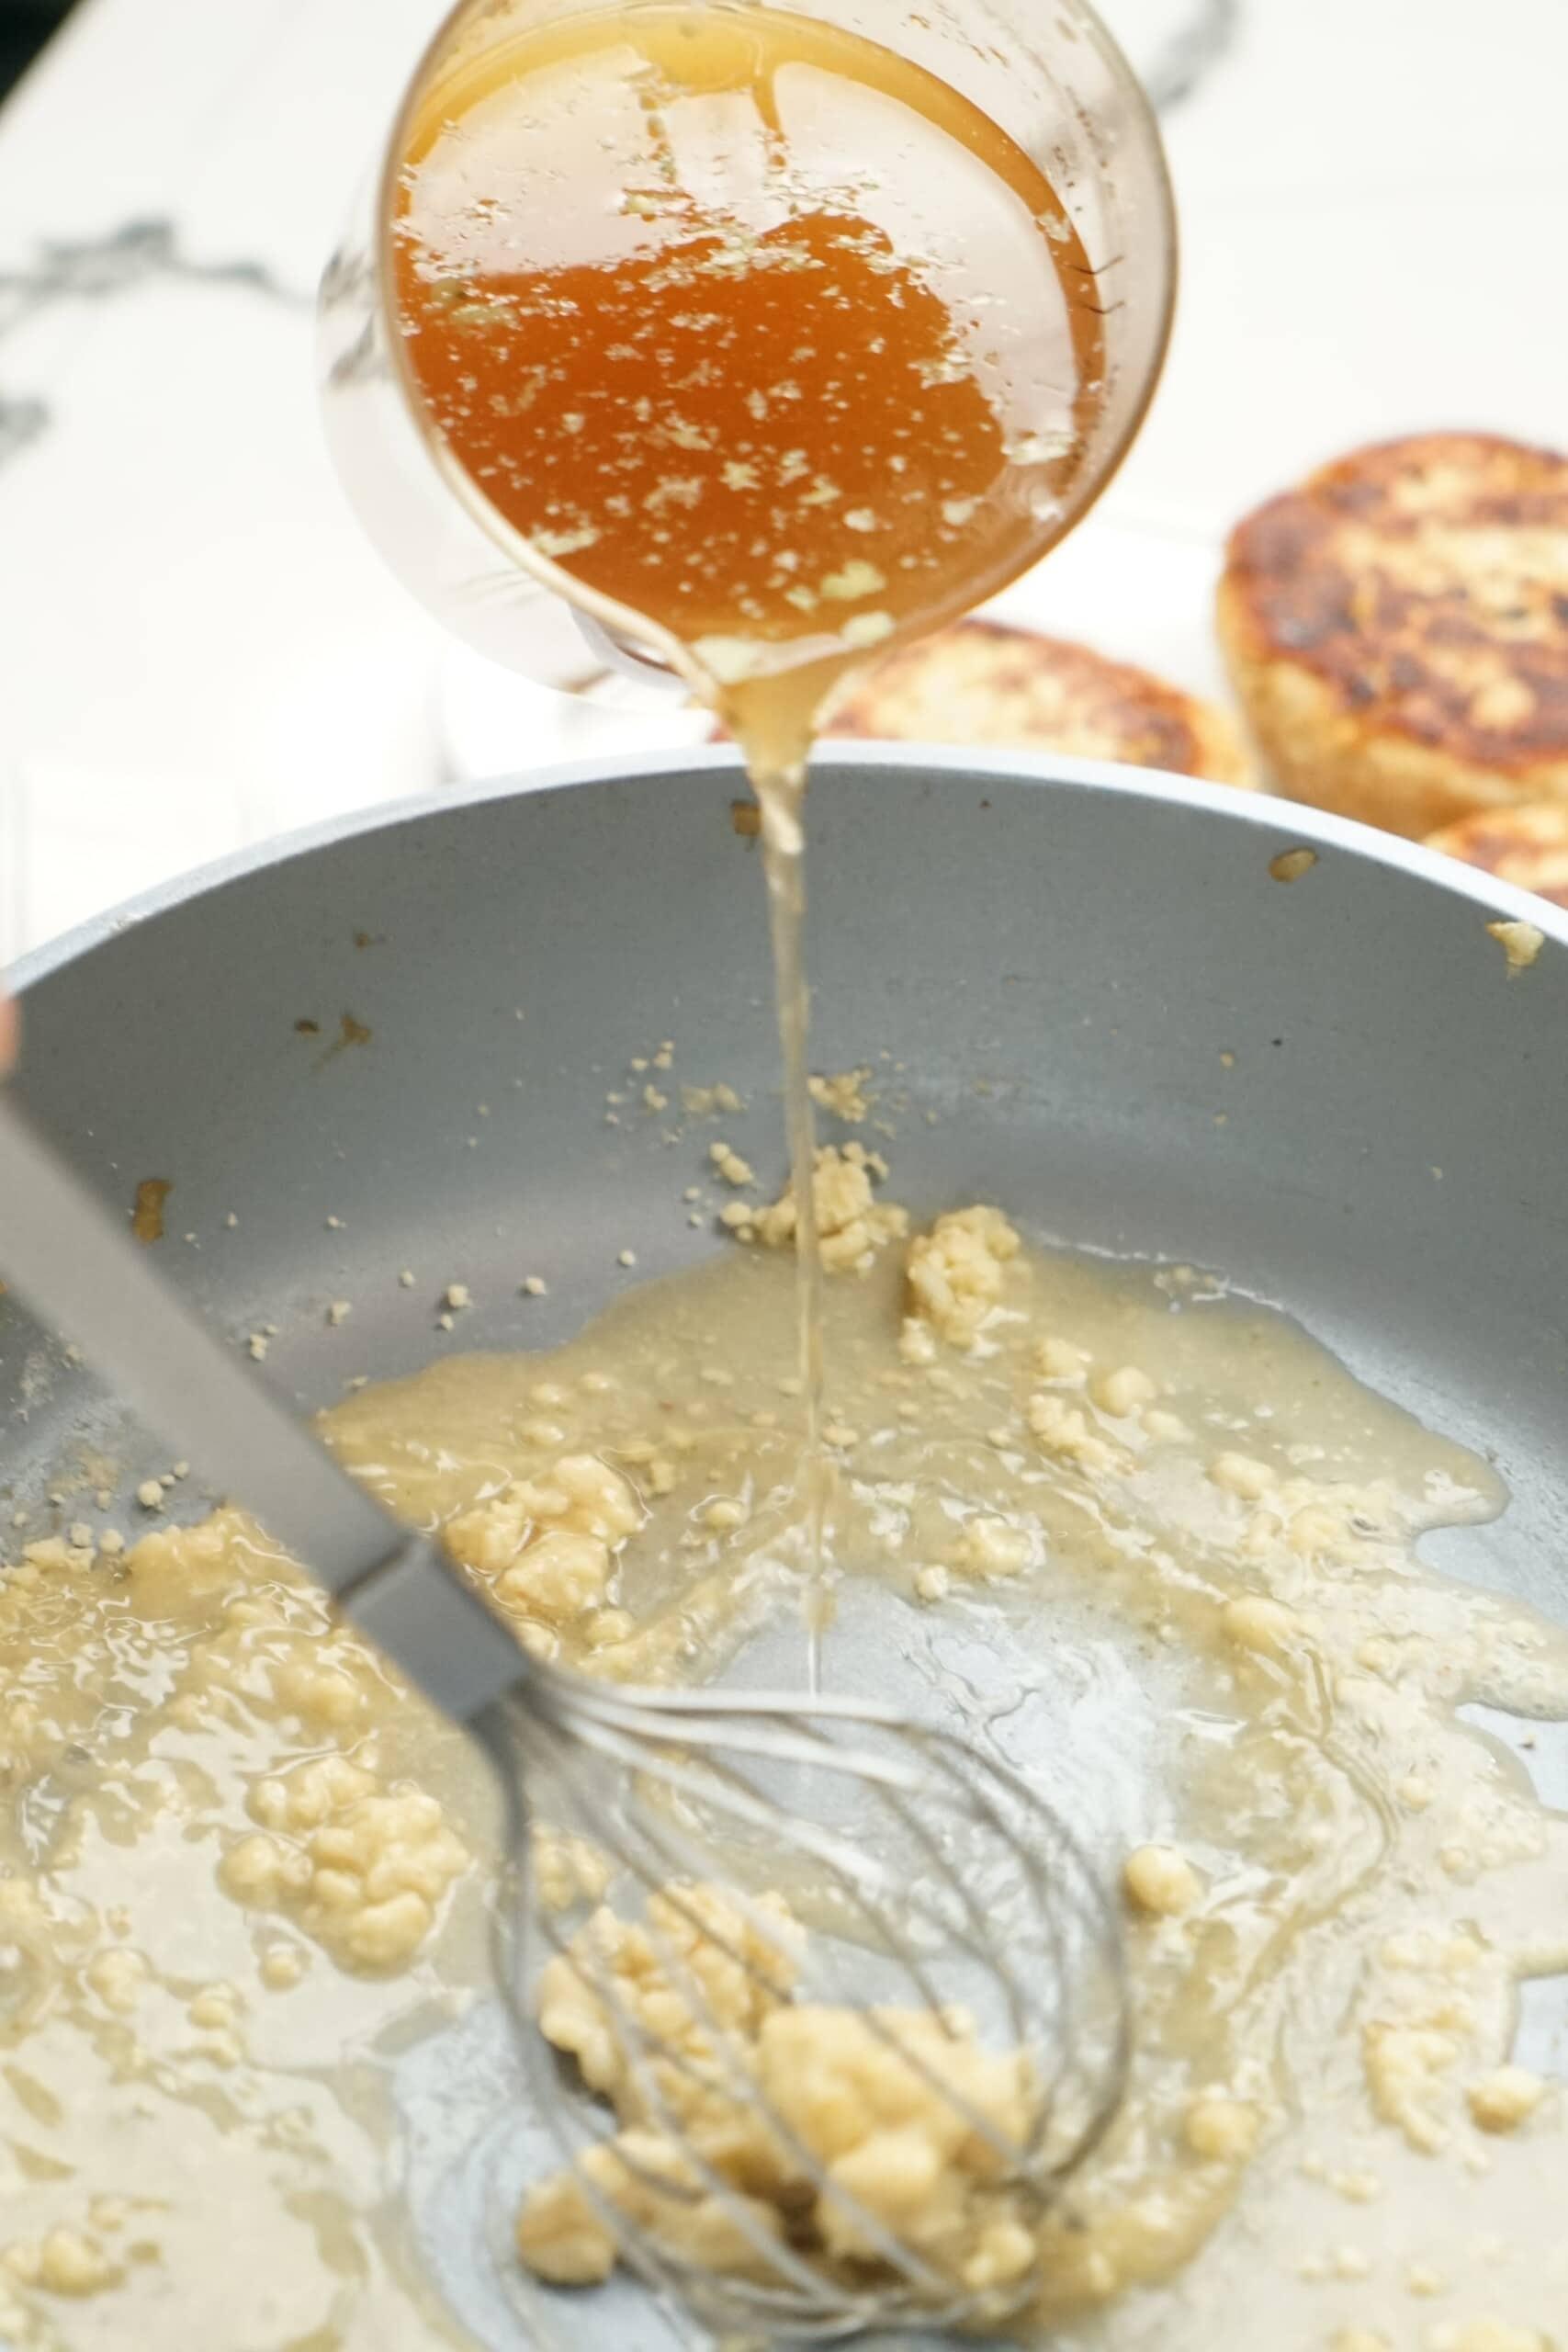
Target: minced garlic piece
x,y
119,1977
215,2007
704,1101
992,1547
728,1164
852,1224
916,1342
605,1627
1063,1430
363,1868
282,1967
1408,2065
1222,2129
1160,1879
559,2233
1123,1391
1255,1623
843,1095
71,2264
747,1962
567,1869
545,1546
1521,943
1240,1474
1059,1359
649,2179
893,2131
954,1272
1506,2098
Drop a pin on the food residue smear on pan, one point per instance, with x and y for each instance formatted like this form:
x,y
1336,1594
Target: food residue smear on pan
x,y
147,1215
799,358
1169,1542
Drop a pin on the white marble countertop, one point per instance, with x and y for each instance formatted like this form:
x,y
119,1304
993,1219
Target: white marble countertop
x,y
197,648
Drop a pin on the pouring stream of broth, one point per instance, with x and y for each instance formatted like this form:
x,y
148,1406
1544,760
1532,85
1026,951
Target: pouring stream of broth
x,y
765,333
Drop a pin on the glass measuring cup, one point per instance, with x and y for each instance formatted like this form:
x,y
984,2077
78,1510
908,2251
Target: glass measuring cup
x,y
1051,78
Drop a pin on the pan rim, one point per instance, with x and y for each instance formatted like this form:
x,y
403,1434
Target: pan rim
x,y
1293,823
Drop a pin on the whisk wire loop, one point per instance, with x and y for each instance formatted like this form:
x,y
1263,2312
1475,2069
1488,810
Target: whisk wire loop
x,y
924,1869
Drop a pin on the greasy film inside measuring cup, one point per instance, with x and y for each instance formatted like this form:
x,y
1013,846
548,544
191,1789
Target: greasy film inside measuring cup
x,y
751,327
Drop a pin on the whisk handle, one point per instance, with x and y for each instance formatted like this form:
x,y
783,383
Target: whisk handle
x,y
419,1609
75,1263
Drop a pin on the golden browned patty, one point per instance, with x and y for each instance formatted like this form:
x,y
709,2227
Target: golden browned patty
x,y
1527,847
983,683
1398,629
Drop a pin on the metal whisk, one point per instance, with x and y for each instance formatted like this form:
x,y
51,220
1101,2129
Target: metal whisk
x,y
935,1885
950,1912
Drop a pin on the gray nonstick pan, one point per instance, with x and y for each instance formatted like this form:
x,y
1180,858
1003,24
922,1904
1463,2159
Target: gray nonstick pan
x,y
1055,955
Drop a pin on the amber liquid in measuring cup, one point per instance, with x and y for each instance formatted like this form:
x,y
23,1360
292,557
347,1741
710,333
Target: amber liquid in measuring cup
x,y
774,339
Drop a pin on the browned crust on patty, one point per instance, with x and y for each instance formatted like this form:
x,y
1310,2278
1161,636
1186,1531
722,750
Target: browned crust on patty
x,y
982,683
1397,628
1527,847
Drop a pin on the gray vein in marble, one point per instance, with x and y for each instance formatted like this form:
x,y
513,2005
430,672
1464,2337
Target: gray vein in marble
x,y
135,254
1191,51
142,251
22,422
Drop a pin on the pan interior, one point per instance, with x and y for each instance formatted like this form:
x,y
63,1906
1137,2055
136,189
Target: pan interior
x,y
420,1046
